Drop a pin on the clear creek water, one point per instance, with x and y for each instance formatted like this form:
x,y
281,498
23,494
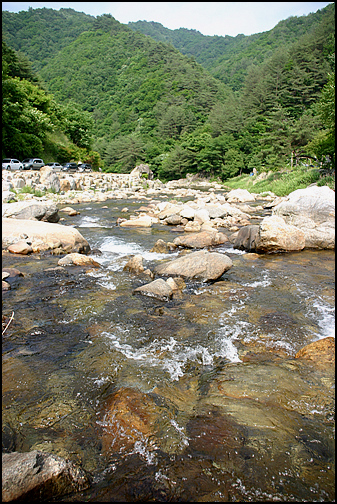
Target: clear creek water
x,y
196,399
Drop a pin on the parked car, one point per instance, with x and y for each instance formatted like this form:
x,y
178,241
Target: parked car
x,y
70,167
84,167
32,163
55,166
11,164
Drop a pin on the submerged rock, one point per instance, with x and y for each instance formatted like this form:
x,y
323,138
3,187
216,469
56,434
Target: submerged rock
x,y
321,352
39,476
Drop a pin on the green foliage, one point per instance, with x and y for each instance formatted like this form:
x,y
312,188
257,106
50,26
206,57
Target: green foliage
x,y
120,97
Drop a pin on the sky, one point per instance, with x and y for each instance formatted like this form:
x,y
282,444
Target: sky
x,y
209,18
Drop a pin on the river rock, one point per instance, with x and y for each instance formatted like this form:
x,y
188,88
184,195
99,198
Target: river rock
x,y
200,265
276,236
49,178
160,247
135,264
128,418
39,476
158,289
246,238
70,211
142,221
239,196
20,247
76,259
321,352
7,196
31,210
173,220
71,240
312,210
5,285
201,240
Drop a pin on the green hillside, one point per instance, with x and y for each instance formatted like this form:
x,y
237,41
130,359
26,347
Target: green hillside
x,y
141,100
229,58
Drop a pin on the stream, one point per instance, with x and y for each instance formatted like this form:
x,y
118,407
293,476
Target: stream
x,y
199,398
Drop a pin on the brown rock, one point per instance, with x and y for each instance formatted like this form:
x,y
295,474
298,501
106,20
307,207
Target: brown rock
x,y
20,247
201,240
5,286
129,417
160,247
322,352
76,259
135,264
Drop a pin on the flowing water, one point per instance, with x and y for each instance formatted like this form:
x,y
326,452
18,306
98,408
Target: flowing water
x,y
196,399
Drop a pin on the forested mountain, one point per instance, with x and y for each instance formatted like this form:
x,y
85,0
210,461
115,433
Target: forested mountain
x,y
229,58
143,100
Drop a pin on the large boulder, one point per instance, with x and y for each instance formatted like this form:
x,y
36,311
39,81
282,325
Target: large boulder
x,y
200,240
38,476
312,210
49,178
200,265
36,210
246,238
277,236
49,235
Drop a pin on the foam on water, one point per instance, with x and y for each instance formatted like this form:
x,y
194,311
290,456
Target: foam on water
x,y
89,222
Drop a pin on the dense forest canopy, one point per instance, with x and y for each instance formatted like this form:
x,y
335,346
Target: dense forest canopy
x,y
117,95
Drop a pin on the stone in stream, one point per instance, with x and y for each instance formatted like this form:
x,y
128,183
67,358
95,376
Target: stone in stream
x,y
39,476
158,289
52,235
135,264
201,240
276,236
36,210
200,265
321,352
312,210
76,259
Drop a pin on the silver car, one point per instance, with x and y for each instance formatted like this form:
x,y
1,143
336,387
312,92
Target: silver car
x,y
11,164
32,163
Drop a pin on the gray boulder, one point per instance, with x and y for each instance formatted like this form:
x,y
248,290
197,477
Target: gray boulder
x,y
39,476
246,238
200,265
31,210
50,179
312,210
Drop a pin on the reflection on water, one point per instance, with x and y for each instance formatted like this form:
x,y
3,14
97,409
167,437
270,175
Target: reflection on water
x,y
198,398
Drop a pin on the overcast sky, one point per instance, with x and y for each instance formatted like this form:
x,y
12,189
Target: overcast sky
x,y
209,18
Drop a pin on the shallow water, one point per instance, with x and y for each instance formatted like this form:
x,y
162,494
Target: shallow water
x,y
196,399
